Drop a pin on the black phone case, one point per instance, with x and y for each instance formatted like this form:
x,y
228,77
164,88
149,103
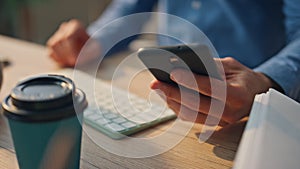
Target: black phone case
x,y
162,60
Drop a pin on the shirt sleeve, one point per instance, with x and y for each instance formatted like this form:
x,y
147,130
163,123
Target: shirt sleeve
x,y
110,29
284,67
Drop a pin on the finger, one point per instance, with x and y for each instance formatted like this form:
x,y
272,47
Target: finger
x,y
74,26
64,54
63,25
66,50
231,65
74,39
65,32
220,68
192,100
56,58
71,52
53,55
215,117
187,114
202,84
57,37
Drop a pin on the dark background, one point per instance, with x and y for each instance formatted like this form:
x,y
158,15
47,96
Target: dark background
x,y
37,20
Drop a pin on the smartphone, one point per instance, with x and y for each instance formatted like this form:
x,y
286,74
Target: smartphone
x,y
160,61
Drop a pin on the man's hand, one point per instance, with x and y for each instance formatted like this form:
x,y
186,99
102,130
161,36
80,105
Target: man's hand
x,y
66,43
242,85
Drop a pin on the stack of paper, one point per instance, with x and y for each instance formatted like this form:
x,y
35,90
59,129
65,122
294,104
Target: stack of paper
x,y
272,136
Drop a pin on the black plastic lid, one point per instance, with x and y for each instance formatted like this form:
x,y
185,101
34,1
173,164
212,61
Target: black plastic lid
x,y
44,98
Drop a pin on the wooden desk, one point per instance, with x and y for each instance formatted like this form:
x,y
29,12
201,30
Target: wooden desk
x,y
28,59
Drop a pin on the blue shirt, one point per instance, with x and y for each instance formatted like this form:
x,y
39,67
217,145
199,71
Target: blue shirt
x,y
262,34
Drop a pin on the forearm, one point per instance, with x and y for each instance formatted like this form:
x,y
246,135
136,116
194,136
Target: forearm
x,y
284,69
115,25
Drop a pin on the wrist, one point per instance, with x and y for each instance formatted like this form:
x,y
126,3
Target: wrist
x,y
269,83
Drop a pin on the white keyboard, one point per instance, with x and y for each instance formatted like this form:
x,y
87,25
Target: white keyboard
x,y
115,112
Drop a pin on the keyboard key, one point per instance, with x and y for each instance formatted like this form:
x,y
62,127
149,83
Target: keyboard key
x,y
104,111
128,124
142,118
115,127
88,113
168,113
94,117
119,120
102,121
148,117
110,115
112,109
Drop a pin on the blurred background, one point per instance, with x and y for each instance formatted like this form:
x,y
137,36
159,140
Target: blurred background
x,y
37,20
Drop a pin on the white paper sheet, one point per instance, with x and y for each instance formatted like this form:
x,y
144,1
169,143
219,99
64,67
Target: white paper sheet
x,y
272,136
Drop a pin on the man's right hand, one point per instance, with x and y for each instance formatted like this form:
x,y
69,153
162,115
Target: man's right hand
x,y
66,43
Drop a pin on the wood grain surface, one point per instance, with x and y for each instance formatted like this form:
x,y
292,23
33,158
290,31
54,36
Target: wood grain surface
x,y
28,59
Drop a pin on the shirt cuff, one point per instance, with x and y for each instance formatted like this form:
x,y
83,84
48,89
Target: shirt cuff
x,y
280,73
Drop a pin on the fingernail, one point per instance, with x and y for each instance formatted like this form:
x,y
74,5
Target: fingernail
x,y
154,85
176,75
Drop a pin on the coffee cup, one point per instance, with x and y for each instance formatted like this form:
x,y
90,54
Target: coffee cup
x,y
45,115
